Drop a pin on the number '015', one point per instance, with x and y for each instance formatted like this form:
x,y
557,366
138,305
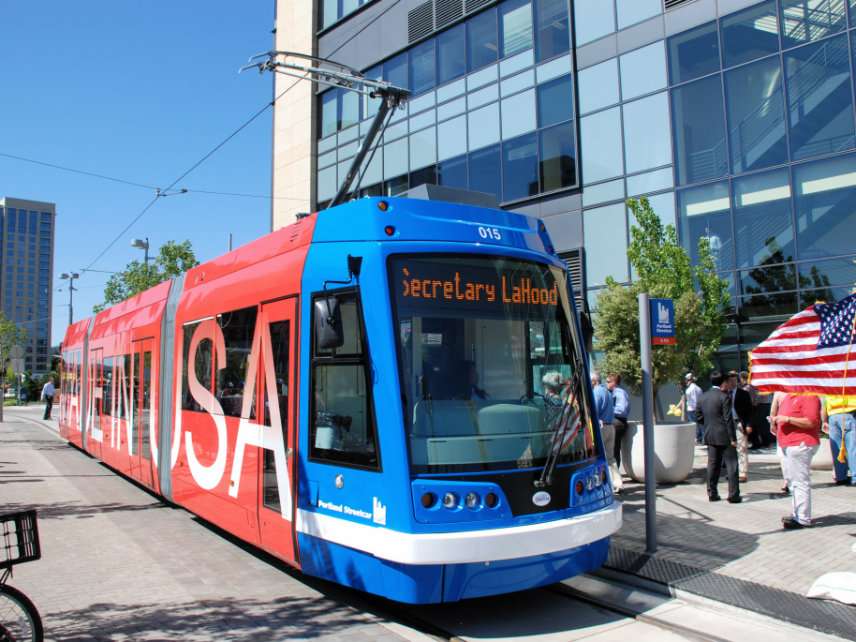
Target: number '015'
x,y
492,233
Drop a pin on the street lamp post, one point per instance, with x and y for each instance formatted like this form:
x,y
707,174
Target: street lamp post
x,y
70,277
142,244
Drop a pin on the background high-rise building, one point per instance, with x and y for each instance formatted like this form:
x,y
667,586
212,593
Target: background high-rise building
x,y
26,274
734,117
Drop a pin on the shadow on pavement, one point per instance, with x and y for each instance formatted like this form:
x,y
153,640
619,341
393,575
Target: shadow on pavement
x,y
215,619
63,510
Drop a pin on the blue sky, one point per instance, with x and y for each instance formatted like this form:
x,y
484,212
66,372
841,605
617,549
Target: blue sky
x,y
140,91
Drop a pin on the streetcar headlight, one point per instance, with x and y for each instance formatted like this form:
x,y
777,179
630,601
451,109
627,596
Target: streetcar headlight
x,y
472,500
579,487
428,499
491,500
603,475
450,500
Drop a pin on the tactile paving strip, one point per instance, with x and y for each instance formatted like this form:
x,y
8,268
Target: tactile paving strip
x,y
828,617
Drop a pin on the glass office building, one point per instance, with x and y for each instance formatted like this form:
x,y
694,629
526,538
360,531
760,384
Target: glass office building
x,y
734,117
27,232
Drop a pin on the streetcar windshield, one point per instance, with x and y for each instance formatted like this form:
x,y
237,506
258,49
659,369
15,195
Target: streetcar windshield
x,y
485,352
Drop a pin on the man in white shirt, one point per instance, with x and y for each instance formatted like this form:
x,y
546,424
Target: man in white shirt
x,y
48,392
692,393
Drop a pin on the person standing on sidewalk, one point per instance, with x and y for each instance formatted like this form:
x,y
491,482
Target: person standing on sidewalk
x,y
797,426
714,412
48,392
692,394
621,406
742,413
839,420
606,417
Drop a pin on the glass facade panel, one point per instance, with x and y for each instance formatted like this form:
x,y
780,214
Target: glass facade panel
x,y
350,109
395,71
705,212
593,19
763,225
329,113
664,206
451,54
750,34
481,40
558,163
632,11
820,99
699,129
422,63
807,20
605,238
552,32
555,101
601,146
650,182
520,168
693,53
598,86
643,71
515,25
756,115
453,173
647,139
327,183
518,114
452,138
423,148
486,171
483,126
395,158
825,205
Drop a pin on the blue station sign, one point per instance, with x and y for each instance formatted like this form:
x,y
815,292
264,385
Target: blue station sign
x,y
662,322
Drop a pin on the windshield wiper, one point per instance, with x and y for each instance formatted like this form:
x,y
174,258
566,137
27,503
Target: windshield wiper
x,y
564,424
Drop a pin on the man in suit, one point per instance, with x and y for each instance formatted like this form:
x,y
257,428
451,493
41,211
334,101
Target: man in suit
x,y
720,437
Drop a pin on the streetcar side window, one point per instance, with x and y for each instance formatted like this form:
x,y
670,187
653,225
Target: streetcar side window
x,y
343,428
107,395
202,366
238,328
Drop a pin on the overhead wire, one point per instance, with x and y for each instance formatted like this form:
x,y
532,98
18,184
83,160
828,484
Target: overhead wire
x,y
195,165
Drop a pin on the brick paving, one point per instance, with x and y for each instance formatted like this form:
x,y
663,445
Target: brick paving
x,y
740,551
119,564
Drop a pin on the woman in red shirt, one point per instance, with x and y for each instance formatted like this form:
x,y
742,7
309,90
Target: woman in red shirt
x,y
797,425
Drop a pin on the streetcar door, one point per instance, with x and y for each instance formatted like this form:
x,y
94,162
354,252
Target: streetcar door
x,y
276,389
95,436
141,458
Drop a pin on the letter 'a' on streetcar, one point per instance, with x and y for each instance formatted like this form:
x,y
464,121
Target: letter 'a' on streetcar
x,y
407,414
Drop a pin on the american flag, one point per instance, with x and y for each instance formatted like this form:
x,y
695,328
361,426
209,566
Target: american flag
x,y
812,353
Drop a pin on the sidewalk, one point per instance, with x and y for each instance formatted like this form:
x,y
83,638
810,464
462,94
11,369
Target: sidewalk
x,y
738,553
169,577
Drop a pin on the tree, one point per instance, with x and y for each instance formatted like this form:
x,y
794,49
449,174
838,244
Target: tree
x,y
663,269
172,259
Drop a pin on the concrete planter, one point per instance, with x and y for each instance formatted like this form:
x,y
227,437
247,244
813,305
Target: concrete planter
x,y
822,459
674,449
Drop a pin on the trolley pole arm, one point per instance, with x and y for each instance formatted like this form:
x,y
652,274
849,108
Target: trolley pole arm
x,y
392,98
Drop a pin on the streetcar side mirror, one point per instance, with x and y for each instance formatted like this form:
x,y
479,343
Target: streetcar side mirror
x,y
328,323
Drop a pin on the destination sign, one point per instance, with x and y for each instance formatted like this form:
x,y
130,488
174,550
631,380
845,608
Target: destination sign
x,y
451,283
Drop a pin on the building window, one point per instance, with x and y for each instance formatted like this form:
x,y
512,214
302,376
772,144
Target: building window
x,y
555,101
705,213
485,171
694,53
750,34
422,59
482,45
825,202
762,219
807,20
520,167
515,21
756,115
557,157
699,129
552,32
593,19
602,153
821,113
453,173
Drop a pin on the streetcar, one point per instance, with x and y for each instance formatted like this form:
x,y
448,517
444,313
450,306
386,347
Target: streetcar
x,y
391,394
